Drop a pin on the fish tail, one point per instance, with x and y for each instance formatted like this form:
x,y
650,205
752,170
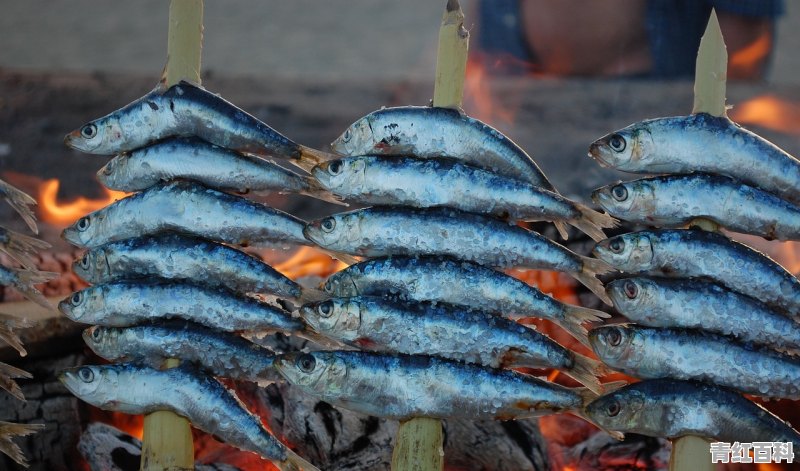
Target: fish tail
x,y
26,279
580,413
311,295
295,462
310,158
10,430
22,248
7,325
343,257
21,202
315,190
587,276
320,339
575,316
562,229
586,370
593,222
7,375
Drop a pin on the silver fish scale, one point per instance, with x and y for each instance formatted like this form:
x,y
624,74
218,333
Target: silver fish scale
x,y
681,145
650,353
192,209
208,405
697,304
173,256
439,132
675,200
399,386
671,408
123,304
221,354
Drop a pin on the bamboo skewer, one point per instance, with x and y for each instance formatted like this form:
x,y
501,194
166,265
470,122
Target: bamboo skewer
x,y
419,444
167,437
711,71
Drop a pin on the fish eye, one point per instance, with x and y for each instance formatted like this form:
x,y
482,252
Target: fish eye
x,y
328,224
83,223
613,409
617,142
89,131
631,290
347,135
76,299
328,287
84,263
306,363
619,192
325,309
616,245
109,168
335,168
96,334
86,375
614,337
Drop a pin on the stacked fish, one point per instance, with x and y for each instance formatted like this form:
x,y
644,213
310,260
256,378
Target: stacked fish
x,y
711,312
21,249
167,279
434,318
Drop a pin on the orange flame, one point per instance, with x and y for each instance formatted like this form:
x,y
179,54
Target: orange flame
x,y
61,213
747,59
309,261
770,112
478,99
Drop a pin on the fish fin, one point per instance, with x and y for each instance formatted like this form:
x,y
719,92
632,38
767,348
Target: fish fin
x,y
311,295
7,326
617,435
27,278
593,222
575,316
343,257
295,462
20,201
7,375
22,248
585,371
562,229
315,190
310,158
613,385
9,430
321,340
587,276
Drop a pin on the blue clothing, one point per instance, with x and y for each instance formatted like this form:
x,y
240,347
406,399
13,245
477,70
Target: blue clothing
x,y
674,28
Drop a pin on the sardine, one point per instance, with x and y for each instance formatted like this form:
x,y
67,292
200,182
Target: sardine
x,y
670,408
676,200
10,430
20,247
401,386
8,324
218,353
384,231
478,287
478,337
23,280
184,258
191,209
696,304
423,183
425,131
21,202
650,353
701,143
207,404
8,374
122,304
695,253
186,110
213,166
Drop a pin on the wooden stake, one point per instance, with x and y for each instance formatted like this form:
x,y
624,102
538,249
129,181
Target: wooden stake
x,y
419,444
693,453
167,437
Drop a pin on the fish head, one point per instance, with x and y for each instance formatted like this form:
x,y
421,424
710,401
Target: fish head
x,y
339,318
104,341
93,384
614,344
84,230
620,410
334,232
102,136
356,139
115,171
631,294
341,176
84,306
341,284
92,266
628,149
626,199
320,372
631,252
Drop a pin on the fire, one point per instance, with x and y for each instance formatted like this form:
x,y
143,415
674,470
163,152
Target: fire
x,y
743,61
62,213
770,112
309,261
478,96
